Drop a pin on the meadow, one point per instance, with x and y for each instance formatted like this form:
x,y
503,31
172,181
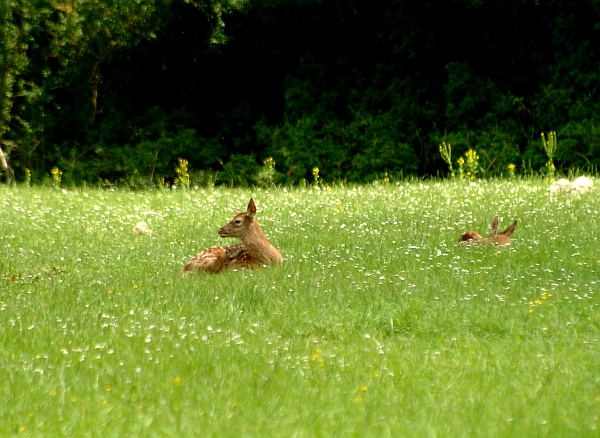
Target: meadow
x,y
378,325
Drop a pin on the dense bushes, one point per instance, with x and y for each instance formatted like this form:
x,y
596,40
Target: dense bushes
x,y
356,89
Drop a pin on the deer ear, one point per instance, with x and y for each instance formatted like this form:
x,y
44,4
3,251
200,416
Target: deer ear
x,y
510,229
494,228
251,211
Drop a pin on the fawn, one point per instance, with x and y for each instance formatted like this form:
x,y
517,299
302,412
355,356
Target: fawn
x,y
254,251
471,237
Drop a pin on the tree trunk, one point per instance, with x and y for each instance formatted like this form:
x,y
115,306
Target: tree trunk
x,y
5,166
151,176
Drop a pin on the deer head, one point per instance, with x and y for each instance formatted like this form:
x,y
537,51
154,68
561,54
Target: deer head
x,y
241,223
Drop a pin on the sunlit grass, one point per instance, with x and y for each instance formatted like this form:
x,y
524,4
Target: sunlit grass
x,y
377,325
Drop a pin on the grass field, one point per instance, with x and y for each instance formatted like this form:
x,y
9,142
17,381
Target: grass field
x,y
377,325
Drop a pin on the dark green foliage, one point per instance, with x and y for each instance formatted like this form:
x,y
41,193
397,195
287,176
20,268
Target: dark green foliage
x,y
119,91
238,171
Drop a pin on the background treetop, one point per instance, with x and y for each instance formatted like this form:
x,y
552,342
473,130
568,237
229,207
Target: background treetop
x,y
120,90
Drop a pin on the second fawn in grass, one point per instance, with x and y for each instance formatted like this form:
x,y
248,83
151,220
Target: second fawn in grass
x,y
471,237
254,251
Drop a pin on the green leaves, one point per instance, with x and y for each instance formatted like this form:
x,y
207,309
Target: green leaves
x,y
352,88
52,56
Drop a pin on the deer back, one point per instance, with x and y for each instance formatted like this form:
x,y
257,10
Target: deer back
x,y
218,258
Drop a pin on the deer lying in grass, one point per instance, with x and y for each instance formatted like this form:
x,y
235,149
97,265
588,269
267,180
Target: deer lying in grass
x,y
254,251
472,238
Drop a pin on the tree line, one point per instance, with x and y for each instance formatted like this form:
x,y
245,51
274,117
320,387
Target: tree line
x,y
250,91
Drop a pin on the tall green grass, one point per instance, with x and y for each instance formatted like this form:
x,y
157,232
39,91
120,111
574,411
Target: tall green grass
x,y
377,325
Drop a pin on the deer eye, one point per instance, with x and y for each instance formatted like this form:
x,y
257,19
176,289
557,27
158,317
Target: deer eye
x,y
237,221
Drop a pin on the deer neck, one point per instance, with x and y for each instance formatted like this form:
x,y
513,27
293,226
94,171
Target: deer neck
x,y
259,247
